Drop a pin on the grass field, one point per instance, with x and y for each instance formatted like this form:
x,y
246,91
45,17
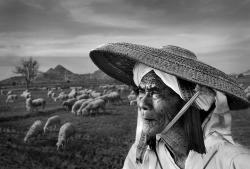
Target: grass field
x,y
103,141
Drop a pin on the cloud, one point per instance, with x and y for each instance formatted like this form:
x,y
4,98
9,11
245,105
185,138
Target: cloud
x,y
216,31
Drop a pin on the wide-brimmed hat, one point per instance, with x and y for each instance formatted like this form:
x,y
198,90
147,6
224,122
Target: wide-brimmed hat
x,y
118,60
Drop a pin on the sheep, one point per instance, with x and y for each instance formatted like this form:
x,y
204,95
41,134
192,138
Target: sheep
x,y
248,96
132,96
69,103
82,96
2,92
61,97
95,94
77,105
33,132
83,91
114,97
9,93
11,98
53,121
50,93
30,104
25,94
84,104
103,87
72,94
94,106
66,132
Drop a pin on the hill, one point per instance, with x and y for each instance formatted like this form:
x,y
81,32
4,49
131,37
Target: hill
x,y
246,72
60,74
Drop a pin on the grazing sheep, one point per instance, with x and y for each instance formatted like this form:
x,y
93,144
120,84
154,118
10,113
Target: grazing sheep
x,y
25,94
77,105
95,94
247,90
114,97
69,103
35,130
31,104
72,94
2,92
66,132
53,121
82,96
61,97
11,98
9,93
94,106
103,87
84,104
248,96
50,92
83,91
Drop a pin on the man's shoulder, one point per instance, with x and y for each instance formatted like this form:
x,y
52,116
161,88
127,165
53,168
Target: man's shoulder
x,y
231,150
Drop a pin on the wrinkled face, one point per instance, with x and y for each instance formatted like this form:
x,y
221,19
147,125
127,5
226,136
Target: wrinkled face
x,y
158,104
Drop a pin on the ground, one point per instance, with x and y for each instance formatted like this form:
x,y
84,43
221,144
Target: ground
x,y
102,141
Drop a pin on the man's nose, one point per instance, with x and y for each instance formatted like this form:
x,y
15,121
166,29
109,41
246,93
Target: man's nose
x,y
145,103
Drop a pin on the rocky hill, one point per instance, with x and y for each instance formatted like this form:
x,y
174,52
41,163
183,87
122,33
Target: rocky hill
x,y
246,72
60,74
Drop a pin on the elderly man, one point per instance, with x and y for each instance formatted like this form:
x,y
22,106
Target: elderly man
x,y
184,107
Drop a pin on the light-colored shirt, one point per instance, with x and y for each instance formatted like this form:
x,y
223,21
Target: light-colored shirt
x,y
220,154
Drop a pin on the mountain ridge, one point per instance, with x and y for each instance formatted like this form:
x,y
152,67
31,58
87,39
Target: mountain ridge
x,y
60,73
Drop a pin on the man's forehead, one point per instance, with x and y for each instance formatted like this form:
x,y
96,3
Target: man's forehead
x,y
151,80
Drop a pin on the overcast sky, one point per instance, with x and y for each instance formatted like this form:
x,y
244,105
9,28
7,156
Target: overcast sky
x,y
64,31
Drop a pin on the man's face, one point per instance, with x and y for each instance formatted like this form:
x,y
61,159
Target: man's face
x,y
158,104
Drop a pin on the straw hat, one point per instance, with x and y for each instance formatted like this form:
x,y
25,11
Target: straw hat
x,y
118,59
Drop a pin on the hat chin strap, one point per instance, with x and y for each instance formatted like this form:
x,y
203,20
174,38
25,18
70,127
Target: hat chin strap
x,y
181,112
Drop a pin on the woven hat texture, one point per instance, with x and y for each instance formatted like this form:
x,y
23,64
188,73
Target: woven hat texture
x,y
118,59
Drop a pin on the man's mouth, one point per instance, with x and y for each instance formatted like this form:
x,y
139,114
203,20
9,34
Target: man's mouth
x,y
148,119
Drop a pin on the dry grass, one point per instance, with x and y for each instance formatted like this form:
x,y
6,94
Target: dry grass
x,y
102,141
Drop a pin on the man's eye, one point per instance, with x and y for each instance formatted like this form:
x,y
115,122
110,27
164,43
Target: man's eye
x,y
141,91
156,94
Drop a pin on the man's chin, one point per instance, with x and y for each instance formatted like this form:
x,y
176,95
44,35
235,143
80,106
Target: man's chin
x,y
151,132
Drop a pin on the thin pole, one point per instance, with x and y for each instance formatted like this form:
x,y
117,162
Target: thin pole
x,y
181,112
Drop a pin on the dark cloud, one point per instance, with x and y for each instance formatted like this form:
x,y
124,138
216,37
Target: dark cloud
x,y
49,19
178,14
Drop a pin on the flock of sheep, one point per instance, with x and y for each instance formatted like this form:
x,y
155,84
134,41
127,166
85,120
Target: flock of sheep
x,y
78,101
66,131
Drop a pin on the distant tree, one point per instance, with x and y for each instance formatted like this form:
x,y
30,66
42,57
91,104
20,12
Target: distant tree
x,y
28,68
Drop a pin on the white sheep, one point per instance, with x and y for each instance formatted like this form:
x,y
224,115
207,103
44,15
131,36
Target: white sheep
x,y
11,98
2,92
95,94
77,105
66,132
9,93
84,104
72,94
50,93
31,104
94,106
25,94
53,121
69,103
82,96
114,97
33,132
61,97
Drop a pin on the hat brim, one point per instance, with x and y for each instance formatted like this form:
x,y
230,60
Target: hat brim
x,y
118,59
